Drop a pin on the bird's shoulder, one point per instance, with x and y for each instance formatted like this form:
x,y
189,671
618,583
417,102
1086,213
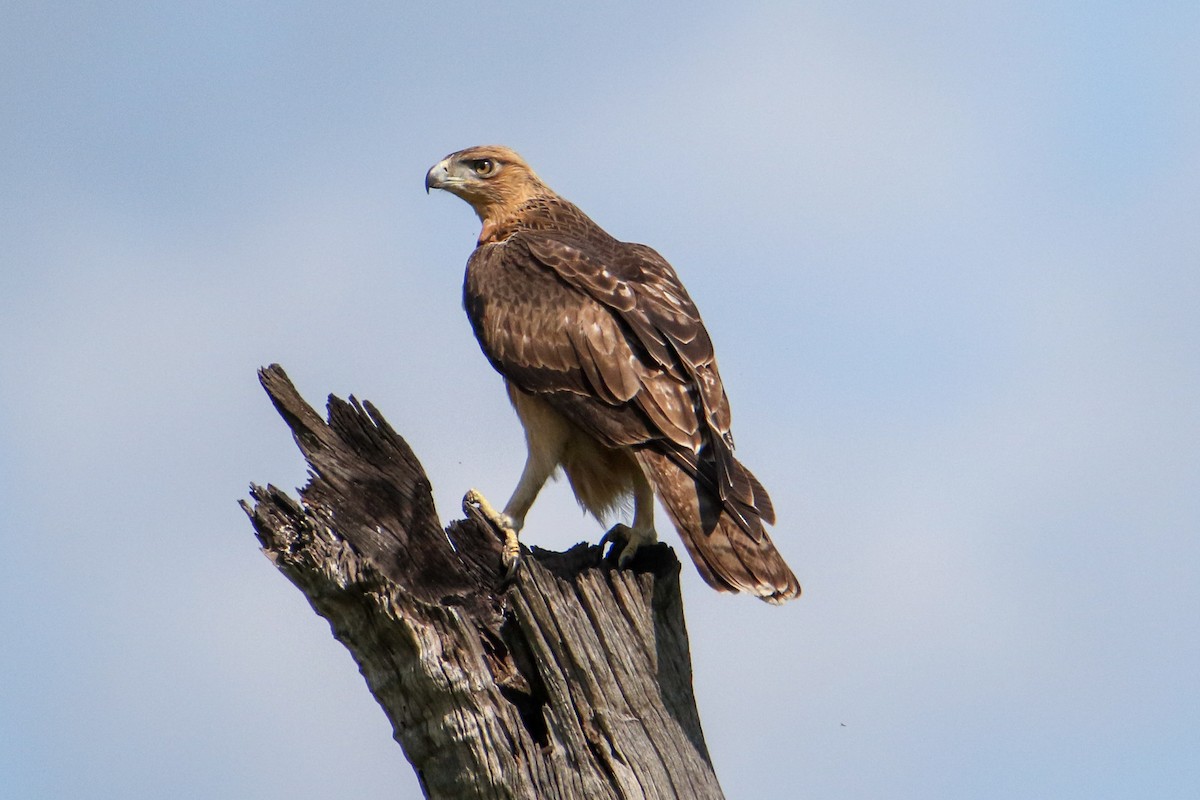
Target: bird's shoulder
x,y
561,238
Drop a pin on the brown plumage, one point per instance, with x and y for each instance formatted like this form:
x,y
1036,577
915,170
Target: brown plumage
x,y
611,372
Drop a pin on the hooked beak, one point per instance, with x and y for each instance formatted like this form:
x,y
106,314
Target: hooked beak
x,y
438,175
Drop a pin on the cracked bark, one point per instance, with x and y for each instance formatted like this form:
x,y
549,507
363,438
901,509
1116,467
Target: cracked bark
x,y
572,681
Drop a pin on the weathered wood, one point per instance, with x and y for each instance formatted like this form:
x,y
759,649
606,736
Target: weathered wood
x,y
572,681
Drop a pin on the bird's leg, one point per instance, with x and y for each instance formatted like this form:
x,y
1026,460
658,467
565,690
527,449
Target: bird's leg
x,y
629,539
510,521
508,527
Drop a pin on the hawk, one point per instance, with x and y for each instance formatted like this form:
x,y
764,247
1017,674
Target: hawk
x,y
612,374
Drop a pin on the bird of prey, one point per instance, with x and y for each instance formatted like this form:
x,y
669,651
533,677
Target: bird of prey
x,y
612,374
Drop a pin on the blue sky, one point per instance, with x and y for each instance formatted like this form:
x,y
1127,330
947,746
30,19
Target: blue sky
x,y
950,259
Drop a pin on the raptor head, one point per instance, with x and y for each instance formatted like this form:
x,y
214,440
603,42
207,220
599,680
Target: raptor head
x,y
493,179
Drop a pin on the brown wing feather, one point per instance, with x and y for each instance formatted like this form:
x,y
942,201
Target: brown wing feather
x,y
639,285
606,333
605,355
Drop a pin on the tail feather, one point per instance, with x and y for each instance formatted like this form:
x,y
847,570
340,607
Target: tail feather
x,y
762,501
736,488
728,545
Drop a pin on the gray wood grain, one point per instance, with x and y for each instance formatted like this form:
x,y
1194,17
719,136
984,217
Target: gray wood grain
x,y
571,681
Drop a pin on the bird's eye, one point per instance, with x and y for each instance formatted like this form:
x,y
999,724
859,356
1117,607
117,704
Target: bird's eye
x,y
483,167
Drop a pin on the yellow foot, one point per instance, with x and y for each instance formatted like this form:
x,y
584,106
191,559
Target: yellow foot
x,y
510,553
628,540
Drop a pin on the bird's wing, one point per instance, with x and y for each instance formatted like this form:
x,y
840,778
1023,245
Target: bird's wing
x,y
639,287
610,338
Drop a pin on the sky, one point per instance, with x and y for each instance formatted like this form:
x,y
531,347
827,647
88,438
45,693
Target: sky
x,y
950,258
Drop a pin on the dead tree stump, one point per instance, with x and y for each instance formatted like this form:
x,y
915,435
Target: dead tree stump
x,y
571,681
